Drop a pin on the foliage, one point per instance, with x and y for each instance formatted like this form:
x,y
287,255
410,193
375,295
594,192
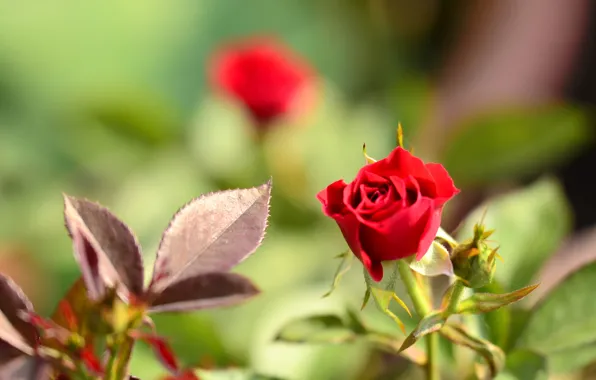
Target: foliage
x,y
108,101
95,326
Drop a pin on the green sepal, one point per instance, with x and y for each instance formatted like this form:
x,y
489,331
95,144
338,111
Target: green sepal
x,y
399,138
383,297
435,262
367,158
343,267
443,235
448,295
366,298
485,302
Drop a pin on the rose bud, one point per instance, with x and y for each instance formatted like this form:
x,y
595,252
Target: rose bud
x,y
474,261
392,209
263,75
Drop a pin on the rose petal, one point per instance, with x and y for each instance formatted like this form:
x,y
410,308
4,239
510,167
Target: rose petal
x,y
400,187
364,176
429,234
398,236
371,178
389,204
371,216
413,190
332,198
374,268
402,164
350,229
444,184
380,194
349,225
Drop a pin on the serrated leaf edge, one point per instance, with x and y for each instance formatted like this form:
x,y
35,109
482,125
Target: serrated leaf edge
x,y
172,279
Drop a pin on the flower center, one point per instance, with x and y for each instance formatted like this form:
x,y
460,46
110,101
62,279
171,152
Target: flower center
x,y
411,196
376,193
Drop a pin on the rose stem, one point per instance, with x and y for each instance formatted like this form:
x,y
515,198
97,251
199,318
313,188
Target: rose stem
x,y
423,308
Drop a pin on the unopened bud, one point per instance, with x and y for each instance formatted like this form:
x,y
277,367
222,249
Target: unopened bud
x,y
474,261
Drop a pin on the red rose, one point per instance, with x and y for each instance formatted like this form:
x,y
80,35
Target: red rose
x,y
262,74
391,210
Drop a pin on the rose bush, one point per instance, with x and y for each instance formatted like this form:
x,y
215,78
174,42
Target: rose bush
x,y
392,209
263,75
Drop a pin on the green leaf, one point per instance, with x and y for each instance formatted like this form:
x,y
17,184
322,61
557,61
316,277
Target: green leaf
x,y
329,329
354,321
435,262
573,359
485,302
566,317
427,325
497,323
510,143
529,225
524,365
518,320
494,356
343,267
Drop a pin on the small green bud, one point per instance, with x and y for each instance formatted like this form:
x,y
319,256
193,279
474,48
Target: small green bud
x,y
474,261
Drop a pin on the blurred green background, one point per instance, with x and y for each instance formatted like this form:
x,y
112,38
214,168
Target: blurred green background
x,y
109,101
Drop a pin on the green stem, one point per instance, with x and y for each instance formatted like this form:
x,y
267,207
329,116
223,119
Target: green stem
x,y
432,353
456,292
423,307
432,341
111,367
120,356
416,293
124,358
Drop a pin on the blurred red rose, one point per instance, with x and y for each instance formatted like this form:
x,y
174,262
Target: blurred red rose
x,y
265,76
391,210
